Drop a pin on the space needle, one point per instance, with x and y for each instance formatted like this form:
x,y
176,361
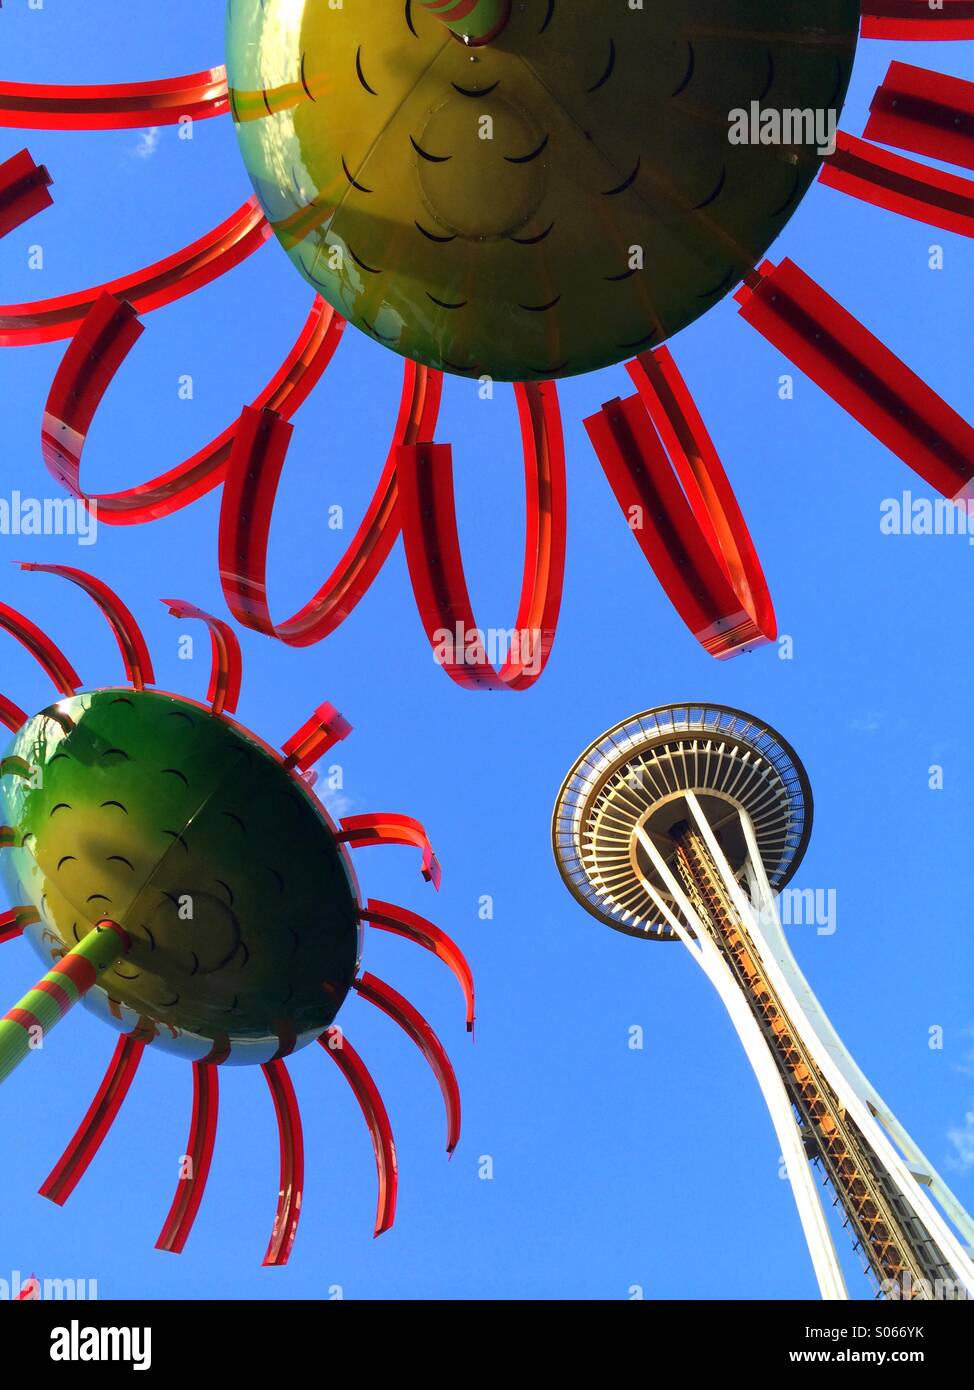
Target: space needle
x,y
684,824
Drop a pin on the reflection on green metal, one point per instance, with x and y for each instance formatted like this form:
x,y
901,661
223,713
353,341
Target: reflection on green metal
x,y
476,21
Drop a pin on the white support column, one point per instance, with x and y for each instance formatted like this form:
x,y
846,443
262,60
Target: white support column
x,y
821,1247
846,1093
774,934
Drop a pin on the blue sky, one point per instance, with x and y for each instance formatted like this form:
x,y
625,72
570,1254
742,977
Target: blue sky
x,y
612,1168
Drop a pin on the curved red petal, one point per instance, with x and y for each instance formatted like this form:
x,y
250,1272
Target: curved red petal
x,y
186,270
128,634
861,375
413,1023
199,1151
429,528
392,918
119,106
226,671
23,191
75,1161
98,350
390,828
40,646
341,1051
248,503
292,1163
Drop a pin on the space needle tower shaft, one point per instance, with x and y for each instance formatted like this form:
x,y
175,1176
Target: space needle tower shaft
x,y
684,824
896,1246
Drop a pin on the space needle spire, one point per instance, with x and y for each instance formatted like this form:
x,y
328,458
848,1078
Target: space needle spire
x,y
684,824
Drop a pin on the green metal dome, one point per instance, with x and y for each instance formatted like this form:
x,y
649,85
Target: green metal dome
x,y
222,868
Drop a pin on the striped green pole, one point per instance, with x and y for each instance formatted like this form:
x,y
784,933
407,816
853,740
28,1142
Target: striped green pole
x,y
474,21
25,1027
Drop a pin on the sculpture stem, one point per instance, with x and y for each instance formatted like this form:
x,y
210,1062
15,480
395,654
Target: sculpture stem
x,y
25,1028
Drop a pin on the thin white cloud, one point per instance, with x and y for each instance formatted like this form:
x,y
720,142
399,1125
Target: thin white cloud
x,y
870,724
962,1142
337,804
966,1064
148,143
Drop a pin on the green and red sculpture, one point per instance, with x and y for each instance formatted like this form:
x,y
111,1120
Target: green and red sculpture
x,y
521,192
181,877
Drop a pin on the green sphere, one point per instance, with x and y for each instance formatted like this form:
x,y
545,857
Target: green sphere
x,y
551,202
190,833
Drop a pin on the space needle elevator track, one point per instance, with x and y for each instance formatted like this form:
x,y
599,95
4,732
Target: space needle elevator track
x,y
893,1241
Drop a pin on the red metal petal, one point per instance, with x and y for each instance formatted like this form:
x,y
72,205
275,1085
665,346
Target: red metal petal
x,y
389,828
900,185
359,1078
76,1159
128,634
324,729
292,1163
97,351
707,488
248,504
11,715
23,191
429,526
413,1023
862,375
49,320
226,671
671,486
199,1150
125,106
392,918
53,660
14,923
917,19
926,112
